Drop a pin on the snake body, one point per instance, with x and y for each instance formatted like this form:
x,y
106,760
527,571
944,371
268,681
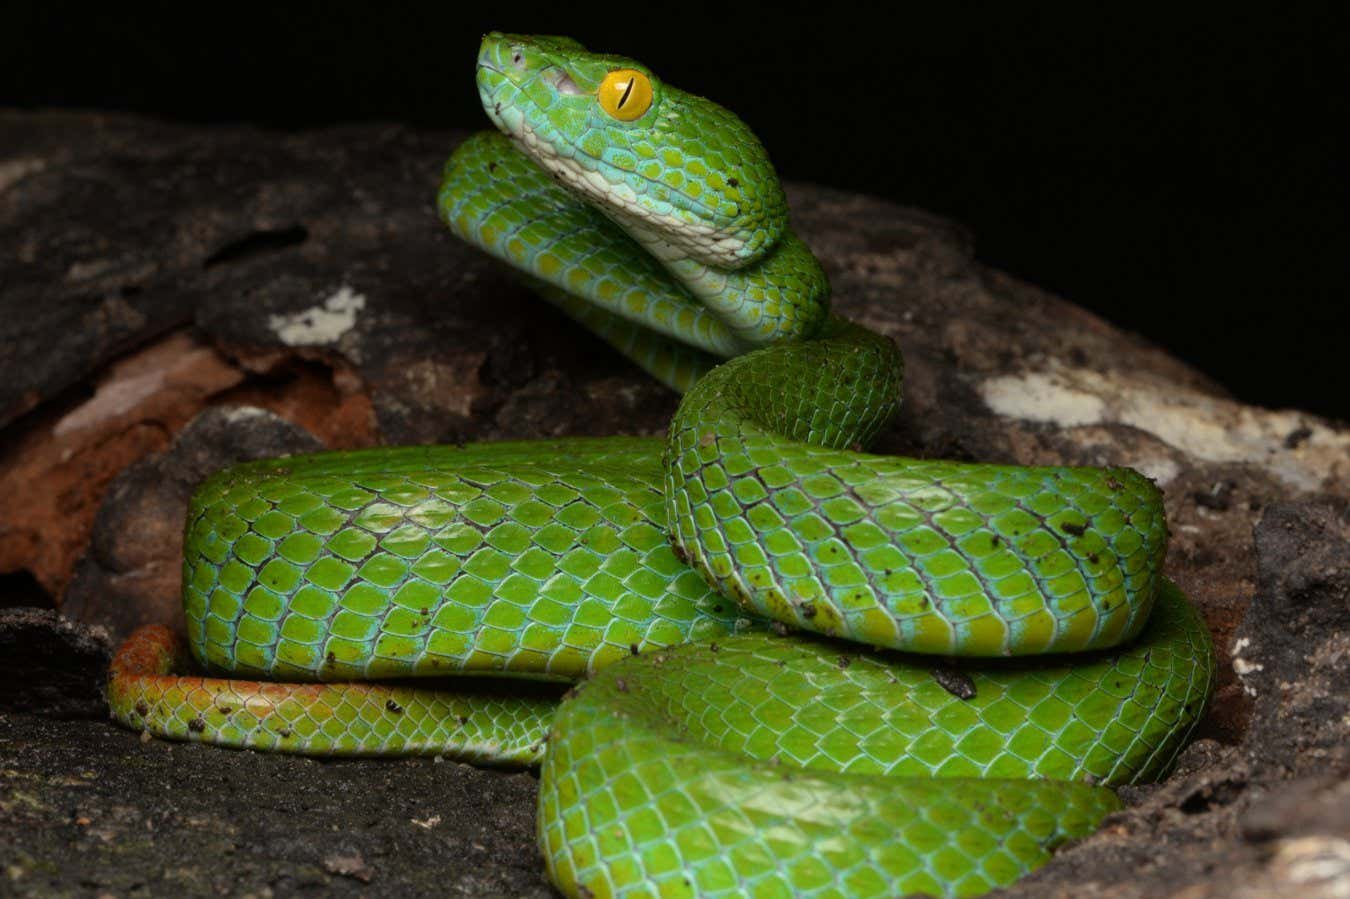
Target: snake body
x,y
745,598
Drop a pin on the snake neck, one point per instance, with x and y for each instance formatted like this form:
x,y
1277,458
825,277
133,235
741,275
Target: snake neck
x,y
836,392
784,296
683,177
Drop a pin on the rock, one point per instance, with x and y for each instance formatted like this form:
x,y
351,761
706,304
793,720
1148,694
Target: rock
x,y
57,468
51,666
132,574
99,811
1292,653
168,278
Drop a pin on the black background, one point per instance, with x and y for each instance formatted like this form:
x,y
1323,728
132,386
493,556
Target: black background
x,y
1181,172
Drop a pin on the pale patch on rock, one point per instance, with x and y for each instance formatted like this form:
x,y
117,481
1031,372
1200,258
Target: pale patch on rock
x,y
92,268
320,324
454,383
1319,864
114,398
12,171
1300,449
1160,469
237,414
176,367
1037,396
1243,667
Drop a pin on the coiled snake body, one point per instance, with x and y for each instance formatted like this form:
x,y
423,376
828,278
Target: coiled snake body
x,y
742,593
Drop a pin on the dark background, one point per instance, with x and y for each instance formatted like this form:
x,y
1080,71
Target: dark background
x,y
1183,173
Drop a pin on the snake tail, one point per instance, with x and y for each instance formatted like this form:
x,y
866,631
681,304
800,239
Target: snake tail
x,y
147,691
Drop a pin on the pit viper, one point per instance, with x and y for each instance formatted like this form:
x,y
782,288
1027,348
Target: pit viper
x,y
804,670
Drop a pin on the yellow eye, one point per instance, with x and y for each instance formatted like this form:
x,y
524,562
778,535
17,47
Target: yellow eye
x,y
625,94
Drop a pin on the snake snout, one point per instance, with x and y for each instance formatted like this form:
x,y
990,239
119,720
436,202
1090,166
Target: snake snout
x,y
501,56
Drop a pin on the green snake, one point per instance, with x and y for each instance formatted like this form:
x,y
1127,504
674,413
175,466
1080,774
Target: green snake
x,y
765,619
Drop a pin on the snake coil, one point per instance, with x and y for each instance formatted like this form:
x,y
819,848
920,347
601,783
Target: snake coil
x,y
809,670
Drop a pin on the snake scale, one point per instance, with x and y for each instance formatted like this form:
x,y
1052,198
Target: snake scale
x,y
805,670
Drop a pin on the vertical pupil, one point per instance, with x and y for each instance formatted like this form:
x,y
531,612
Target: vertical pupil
x,y
627,89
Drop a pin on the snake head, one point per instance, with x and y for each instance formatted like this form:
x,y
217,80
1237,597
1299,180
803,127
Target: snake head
x,y
649,155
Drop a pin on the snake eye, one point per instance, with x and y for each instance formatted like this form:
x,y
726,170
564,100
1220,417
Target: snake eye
x,y
625,94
